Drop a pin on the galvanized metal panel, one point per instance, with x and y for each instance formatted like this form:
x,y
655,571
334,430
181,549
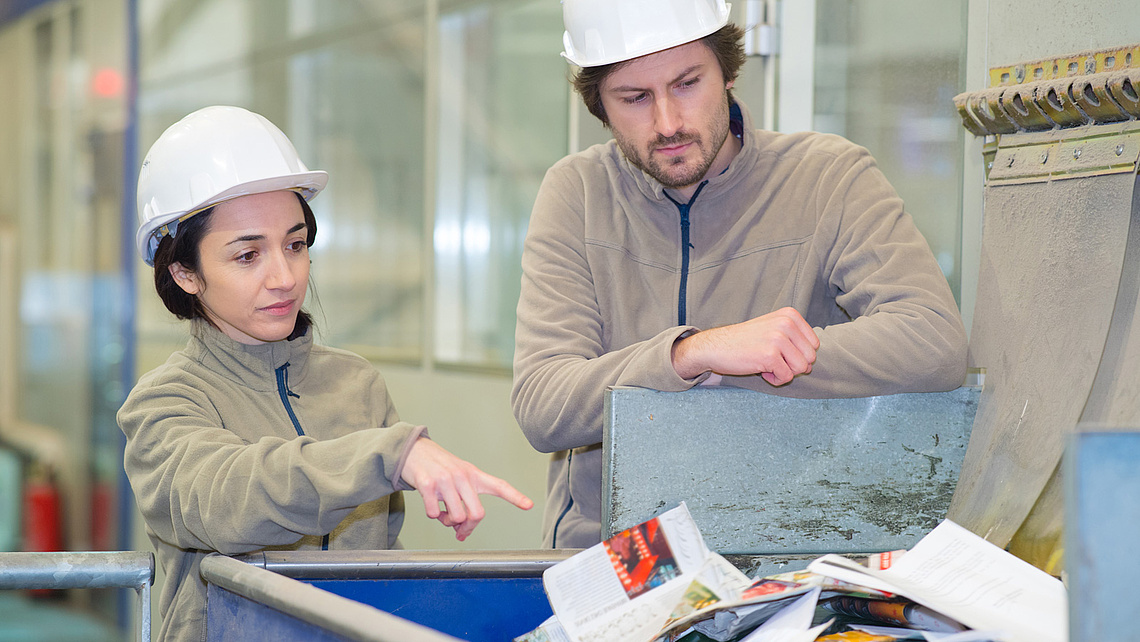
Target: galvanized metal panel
x,y
1101,520
772,475
772,564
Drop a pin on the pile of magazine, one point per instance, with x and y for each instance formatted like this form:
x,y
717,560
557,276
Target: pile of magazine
x,y
658,581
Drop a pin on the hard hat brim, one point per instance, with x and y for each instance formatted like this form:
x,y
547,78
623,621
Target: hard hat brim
x,y
308,184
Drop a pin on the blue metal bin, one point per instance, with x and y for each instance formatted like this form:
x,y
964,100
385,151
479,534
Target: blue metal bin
x,y
415,596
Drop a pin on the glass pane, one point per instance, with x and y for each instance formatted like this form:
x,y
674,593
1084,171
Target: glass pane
x,y
352,103
503,109
178,37
308,17
162,102
885,77
357,112
63,291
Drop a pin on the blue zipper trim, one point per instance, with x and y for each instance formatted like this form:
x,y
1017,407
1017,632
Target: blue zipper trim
x,y
284,392
557,522
683,289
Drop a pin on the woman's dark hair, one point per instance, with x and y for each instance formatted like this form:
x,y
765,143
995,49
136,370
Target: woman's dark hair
x,y
725,43
183,247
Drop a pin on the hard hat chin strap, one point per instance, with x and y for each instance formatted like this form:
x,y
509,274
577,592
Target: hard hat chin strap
x,y
170,229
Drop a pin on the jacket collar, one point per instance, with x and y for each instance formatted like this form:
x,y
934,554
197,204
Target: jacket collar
x,y
251,366
738,168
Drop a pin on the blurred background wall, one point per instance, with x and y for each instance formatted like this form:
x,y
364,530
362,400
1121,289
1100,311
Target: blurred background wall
x,y
436,120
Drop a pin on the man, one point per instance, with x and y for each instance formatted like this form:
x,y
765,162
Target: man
x,y
692,249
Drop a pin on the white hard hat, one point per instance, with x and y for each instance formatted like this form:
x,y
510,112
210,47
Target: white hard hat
x,y
213,155
600,32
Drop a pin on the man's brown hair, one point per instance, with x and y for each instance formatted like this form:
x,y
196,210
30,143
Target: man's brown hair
x,y
725,43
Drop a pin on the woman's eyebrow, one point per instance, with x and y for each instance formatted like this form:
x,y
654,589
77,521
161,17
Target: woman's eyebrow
x,y
247,237
261,237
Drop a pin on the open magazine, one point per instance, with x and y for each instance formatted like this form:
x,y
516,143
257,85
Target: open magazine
x,y
659,581
630,586
652,581
766,596
956,573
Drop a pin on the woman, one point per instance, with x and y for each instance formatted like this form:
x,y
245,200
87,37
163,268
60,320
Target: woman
x,y
253,436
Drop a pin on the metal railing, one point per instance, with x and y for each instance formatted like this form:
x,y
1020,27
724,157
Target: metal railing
x,y
83,570
405,564
339,615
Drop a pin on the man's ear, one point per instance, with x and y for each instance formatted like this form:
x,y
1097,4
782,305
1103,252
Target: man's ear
x,y
185,279
729,84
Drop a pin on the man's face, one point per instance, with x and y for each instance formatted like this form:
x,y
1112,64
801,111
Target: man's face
x,y
669,114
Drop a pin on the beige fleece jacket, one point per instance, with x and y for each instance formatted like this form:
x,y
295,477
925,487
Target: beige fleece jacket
x,y
804,220
235,448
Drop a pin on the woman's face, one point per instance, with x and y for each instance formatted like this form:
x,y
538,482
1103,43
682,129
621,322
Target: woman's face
x,y
253,267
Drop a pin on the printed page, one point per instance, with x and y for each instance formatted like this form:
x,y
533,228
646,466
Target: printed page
x,y
848,570
792,623
626,588
929,636
960,574
549,631
767,595
718,585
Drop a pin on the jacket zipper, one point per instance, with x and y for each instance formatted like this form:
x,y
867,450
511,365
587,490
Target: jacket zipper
x,y
683,288
284,392
681,315
569,505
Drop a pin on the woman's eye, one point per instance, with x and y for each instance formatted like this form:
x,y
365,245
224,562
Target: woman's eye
x,y
247,257
297,246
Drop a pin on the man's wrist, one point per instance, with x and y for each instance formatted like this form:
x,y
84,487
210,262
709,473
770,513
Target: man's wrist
x,y
684,356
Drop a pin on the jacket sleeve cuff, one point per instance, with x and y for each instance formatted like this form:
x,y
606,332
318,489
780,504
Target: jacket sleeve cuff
x,y
397,478
667,379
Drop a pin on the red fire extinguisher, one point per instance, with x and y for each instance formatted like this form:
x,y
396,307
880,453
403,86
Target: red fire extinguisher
x,y
43,528
43,523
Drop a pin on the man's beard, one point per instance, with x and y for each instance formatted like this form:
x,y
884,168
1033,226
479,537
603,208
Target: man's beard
x,y
659,170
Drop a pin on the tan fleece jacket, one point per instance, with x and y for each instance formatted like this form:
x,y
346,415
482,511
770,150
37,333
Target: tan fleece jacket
x,y
235,448
804,220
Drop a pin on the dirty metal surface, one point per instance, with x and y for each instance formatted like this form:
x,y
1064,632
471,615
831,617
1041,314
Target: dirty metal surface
x,y
1084,62
765,565
1052,261
1100,530
776,476
1093,87
1070,153
1113,401
1115,396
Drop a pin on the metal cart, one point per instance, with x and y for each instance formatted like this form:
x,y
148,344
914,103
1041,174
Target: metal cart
x,y
377,596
